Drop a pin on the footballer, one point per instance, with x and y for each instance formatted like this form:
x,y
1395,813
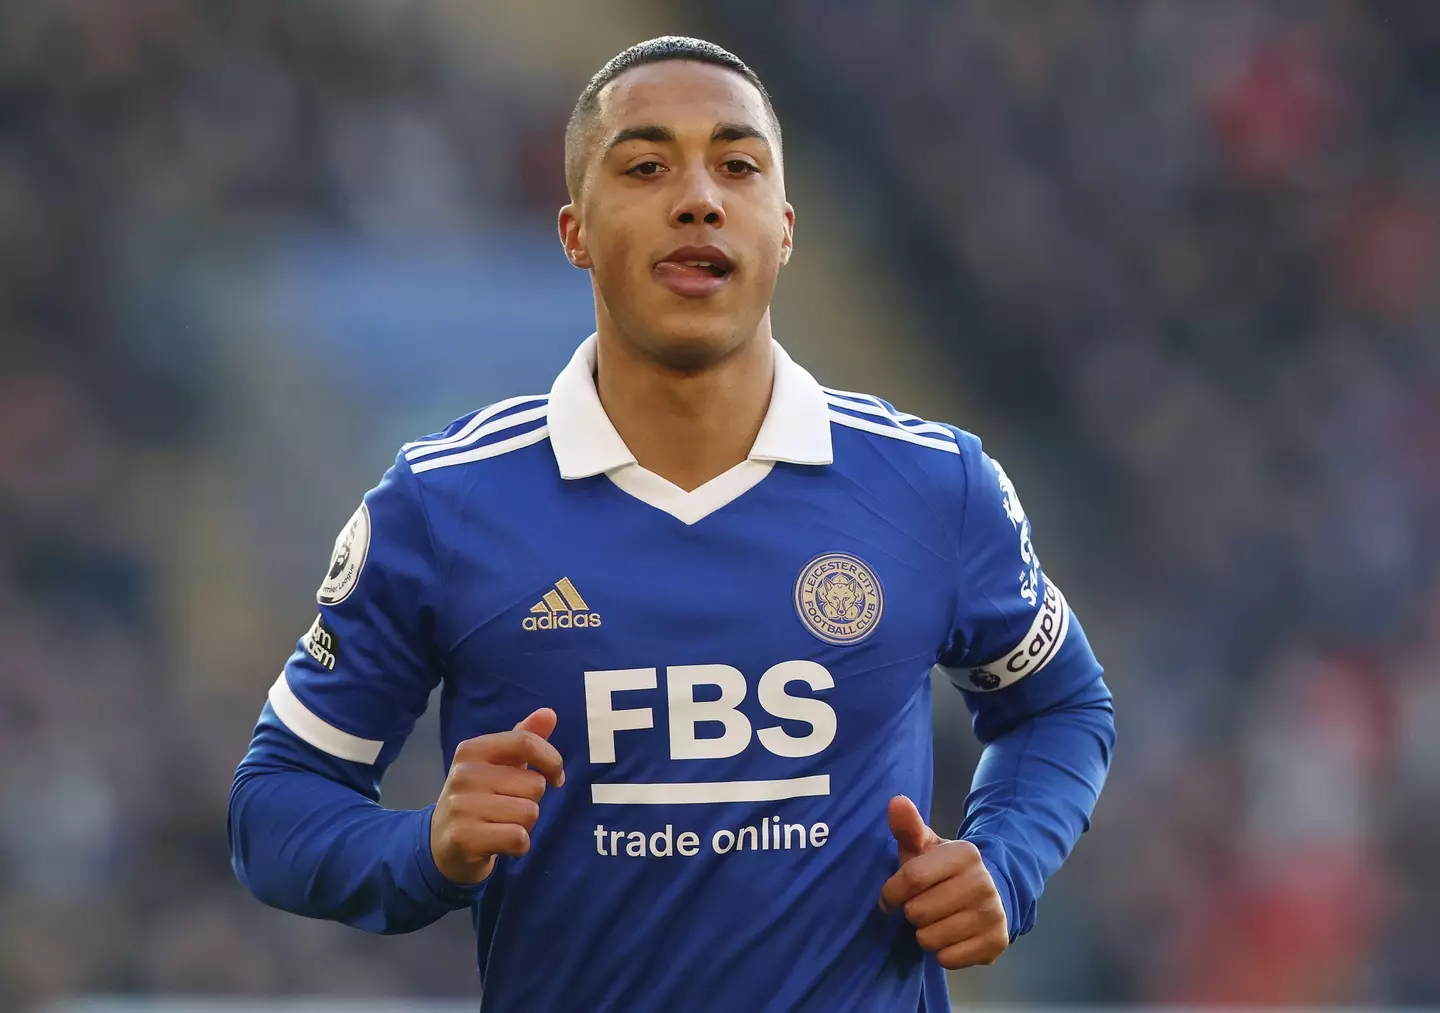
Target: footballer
x,y
682,610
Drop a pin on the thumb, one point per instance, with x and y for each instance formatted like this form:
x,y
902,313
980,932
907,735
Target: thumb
x,y
542,722
908,827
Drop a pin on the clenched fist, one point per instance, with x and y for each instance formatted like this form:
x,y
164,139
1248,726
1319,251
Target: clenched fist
x,y
946,892
491,797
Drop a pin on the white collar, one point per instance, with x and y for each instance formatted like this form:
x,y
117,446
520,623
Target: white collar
x,y
796,427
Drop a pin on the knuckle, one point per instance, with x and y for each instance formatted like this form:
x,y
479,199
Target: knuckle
x,y
965,857
979,886
461,795
470,773
458,772
462,841
474,748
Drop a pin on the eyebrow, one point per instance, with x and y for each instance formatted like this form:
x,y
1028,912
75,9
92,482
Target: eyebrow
x,y
662,135
657,135
738,132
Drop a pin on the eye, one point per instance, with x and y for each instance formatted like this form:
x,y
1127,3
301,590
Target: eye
x,y
740,167
644,169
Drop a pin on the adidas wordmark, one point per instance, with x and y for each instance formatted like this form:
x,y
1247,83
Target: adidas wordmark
x,y
562,608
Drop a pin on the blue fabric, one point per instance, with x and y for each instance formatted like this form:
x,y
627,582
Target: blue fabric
x,y
786,638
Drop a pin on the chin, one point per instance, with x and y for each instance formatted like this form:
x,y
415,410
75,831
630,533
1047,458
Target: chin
x,y
688,345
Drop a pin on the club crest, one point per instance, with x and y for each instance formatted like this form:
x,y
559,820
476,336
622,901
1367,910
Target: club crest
x,y
839,598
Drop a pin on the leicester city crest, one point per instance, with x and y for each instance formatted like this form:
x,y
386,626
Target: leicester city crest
x,y
839,598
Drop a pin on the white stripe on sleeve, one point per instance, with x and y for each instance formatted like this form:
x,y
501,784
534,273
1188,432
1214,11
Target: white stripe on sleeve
x,y
318,732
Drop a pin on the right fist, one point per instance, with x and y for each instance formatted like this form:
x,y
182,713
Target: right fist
x,y
491,797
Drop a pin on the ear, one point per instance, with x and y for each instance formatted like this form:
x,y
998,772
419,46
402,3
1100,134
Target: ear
x,y
787,244
572,237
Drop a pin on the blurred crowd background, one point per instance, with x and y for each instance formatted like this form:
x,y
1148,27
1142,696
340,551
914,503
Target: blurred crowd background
x,y
1176,262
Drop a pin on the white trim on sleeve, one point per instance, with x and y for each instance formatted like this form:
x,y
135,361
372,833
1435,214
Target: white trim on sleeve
x,y
318,732
1041,644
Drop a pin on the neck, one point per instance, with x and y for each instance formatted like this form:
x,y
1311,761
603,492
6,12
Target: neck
x,y
686,426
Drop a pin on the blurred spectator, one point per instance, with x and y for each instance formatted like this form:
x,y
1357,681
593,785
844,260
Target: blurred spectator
x,y
1201,241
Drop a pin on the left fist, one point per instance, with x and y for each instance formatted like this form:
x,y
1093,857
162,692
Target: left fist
x,y
946,892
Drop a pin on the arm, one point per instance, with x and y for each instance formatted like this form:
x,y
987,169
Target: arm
x,y
307,833
1035,693
1038,702
1033,792
305,837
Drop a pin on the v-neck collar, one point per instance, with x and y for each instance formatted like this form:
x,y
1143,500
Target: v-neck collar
x,y
796,430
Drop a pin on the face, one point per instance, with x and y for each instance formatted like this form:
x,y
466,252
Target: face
x,y
681,220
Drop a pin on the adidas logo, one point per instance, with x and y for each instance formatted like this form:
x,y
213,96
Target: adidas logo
x,y
562,608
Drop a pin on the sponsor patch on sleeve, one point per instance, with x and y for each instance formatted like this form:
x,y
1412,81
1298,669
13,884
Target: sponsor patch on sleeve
x,y
321,643
1030,563
347,560
1033,653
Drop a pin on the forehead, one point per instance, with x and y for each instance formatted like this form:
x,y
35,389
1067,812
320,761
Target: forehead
x,y
679,91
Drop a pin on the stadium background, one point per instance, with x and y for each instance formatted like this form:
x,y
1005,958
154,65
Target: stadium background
x,y
1175,261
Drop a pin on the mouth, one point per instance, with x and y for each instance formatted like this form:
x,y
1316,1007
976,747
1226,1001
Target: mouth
x,y
694,271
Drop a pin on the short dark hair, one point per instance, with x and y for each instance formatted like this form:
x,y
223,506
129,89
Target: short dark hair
x,y
665,48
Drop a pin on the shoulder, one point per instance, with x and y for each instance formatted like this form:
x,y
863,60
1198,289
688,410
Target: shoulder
x,y
487,434
950,462
882,421
939,448
433,481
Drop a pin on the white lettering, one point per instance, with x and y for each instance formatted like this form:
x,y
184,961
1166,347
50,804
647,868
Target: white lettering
x,y
686,712
768,833
818,714
601,717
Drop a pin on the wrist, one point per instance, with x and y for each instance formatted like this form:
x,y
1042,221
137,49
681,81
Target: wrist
x,y
440,886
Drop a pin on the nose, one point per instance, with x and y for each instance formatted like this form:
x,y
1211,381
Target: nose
x,y
699,203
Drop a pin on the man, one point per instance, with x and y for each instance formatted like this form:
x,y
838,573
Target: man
x,y
684,611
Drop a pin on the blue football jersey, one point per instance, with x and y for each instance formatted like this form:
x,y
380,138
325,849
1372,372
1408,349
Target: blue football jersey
x,y
741,674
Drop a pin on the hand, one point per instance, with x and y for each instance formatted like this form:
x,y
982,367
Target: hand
x,y
946,891
491,797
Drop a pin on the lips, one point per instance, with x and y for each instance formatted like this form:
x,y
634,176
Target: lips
x,y
694,271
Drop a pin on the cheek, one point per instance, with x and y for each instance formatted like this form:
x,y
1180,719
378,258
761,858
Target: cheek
x,y
769,248
613,248
773,232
